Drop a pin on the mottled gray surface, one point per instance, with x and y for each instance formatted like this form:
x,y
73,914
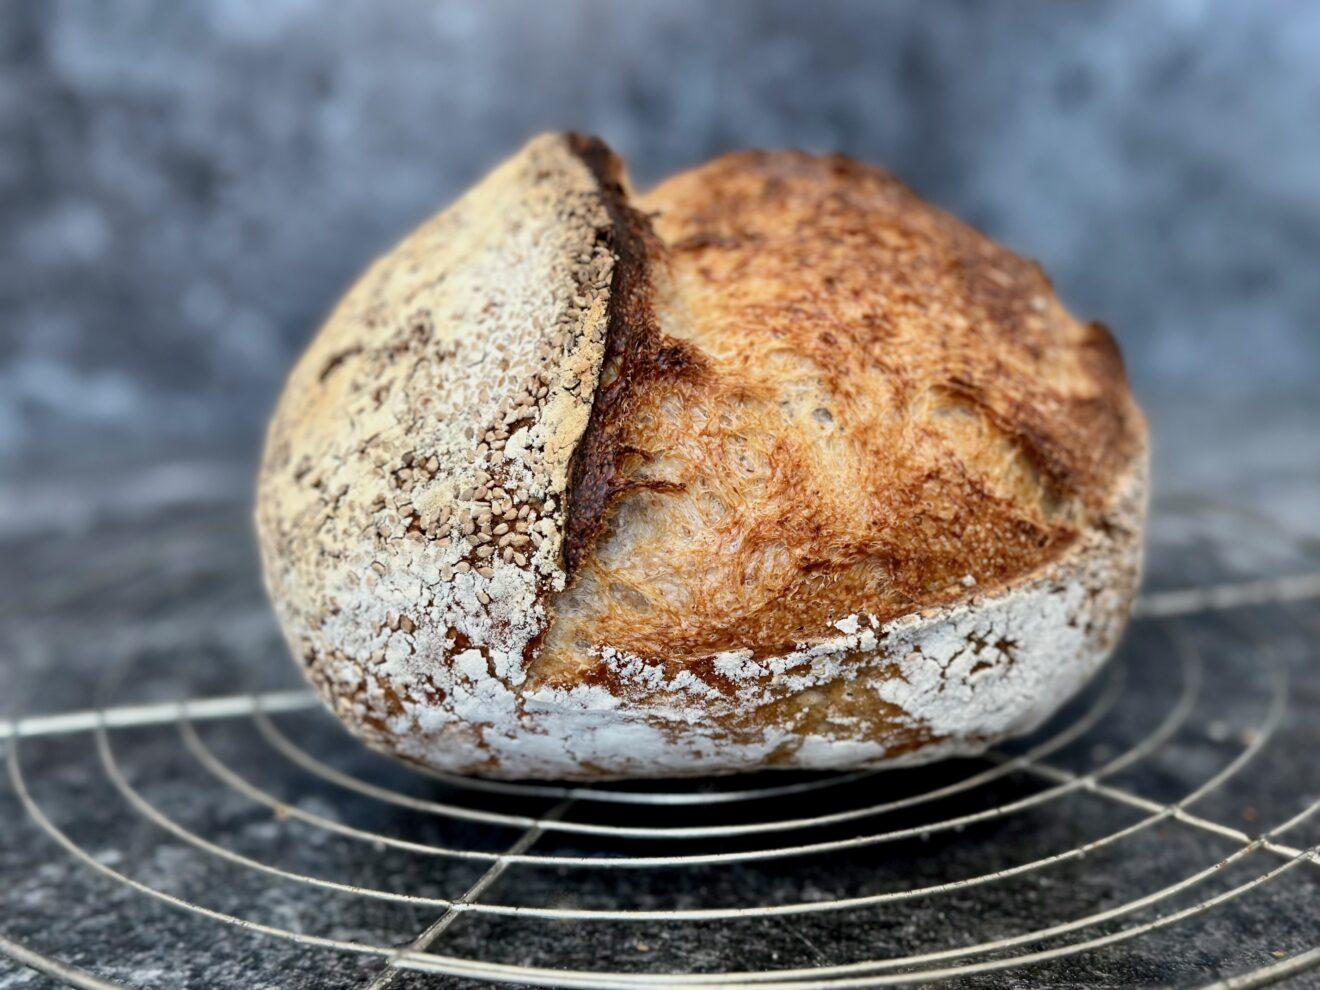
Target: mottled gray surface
x,y
184,188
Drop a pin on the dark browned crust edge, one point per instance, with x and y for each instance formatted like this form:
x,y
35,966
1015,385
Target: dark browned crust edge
x,y
637,354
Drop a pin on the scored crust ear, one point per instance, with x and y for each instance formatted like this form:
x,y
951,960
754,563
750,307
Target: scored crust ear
x,y
439,413
638,357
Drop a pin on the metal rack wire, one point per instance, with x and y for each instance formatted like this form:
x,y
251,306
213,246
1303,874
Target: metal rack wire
x,y
721,825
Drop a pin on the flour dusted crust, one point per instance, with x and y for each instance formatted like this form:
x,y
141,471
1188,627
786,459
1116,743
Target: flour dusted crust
x,y
776,466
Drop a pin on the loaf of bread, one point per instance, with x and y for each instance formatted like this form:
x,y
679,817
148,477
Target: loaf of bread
x,y
773,466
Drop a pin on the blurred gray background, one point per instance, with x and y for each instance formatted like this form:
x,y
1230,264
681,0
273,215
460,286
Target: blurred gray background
x,y
185,188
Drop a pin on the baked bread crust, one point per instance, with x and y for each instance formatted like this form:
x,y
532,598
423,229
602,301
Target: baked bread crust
x,y
778,467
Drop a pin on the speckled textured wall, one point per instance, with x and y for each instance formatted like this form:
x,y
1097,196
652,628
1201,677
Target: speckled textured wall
x,y
184,188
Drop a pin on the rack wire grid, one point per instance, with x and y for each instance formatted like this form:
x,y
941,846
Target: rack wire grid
x,y
1162,829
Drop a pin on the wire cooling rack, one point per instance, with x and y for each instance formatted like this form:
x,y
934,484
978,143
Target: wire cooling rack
x,y
1136,831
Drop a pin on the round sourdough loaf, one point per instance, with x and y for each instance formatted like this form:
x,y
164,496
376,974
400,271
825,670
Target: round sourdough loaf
x,y
774,466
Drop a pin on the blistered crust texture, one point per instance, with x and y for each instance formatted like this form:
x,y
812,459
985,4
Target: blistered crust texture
x,y
775,467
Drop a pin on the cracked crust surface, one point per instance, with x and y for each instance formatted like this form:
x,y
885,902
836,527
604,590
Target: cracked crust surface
x,y
775,466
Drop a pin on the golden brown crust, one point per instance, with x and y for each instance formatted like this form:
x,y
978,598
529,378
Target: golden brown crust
x,y
967,424
843,262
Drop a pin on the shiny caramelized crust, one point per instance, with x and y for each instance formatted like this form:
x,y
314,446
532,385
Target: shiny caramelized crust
x,y
776,466
885,404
